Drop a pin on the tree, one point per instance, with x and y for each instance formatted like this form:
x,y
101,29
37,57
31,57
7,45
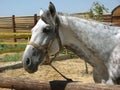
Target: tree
x,y
97,10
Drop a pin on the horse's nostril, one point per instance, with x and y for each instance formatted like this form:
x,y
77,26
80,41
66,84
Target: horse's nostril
x,y
28,62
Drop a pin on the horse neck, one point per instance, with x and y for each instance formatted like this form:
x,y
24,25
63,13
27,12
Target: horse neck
x,y
72,30
79,36
75,30
68,34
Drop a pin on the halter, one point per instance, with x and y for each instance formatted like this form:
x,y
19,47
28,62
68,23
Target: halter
x,y
43,47
40,47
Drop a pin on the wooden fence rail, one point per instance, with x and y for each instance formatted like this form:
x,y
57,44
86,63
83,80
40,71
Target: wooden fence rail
x,y
4,35
25,36
29,84
6,39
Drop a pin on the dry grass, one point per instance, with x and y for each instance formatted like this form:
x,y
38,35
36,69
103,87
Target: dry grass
x,y
71,68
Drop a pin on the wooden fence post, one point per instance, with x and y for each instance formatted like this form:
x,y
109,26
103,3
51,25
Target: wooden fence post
x,y
14,26
111,19
86,68
35,19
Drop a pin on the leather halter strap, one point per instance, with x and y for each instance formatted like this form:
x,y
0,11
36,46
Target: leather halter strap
x,y
40,47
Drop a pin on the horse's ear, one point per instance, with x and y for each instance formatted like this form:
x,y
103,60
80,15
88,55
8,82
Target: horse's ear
x,y
52,9
41,12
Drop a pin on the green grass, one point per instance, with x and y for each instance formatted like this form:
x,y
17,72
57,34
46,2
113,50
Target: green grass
x,y
65,51
12,57
11,47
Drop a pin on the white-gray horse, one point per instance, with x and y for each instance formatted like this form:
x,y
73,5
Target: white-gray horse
x,y
97,43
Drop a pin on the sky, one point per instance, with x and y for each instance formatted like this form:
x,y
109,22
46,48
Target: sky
x,y
31,7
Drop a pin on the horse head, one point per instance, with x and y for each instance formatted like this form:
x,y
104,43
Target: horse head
x,y
43,41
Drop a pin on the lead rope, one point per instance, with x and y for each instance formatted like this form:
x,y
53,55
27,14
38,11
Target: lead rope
x,y
60,47
68,79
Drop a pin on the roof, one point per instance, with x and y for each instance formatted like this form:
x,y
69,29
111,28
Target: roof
x,y
116,11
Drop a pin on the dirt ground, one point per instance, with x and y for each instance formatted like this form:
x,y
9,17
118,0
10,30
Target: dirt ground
x,y
71,68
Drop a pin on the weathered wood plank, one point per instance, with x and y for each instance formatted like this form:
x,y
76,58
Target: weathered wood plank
x,y
14,65
14,50
14,43
30,84
9,34
13,35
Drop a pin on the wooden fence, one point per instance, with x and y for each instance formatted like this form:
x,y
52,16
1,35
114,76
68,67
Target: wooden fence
x,y
16,29
17,23
115,20
106,18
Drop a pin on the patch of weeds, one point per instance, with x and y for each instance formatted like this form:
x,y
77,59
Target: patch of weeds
x,y
65,51
11,47
12,57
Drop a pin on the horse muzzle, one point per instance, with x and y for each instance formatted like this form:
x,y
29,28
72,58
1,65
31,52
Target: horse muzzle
x,y
29,66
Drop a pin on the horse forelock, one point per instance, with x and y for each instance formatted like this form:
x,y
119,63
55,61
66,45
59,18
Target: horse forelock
x,y
47,18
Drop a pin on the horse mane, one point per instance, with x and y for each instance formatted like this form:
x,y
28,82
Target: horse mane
x,y
86,20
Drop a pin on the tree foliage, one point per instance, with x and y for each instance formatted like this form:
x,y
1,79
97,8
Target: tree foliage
x,y
97,10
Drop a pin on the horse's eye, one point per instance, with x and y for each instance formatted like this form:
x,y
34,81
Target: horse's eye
x,y
46,30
